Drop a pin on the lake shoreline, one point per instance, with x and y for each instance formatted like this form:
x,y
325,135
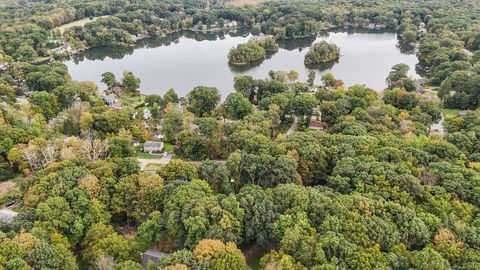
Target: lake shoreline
x,y
185,60
228,30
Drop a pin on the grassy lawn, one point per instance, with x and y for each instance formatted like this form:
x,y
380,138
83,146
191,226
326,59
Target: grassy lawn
x,y
153,167
431,91
168,147
447,113
131,100
41,59
140,154
82,22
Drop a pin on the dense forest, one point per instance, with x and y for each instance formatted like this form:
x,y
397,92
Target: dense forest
x,y
363,181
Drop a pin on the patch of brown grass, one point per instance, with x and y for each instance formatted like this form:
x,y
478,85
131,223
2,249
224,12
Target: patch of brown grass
x,y
6,187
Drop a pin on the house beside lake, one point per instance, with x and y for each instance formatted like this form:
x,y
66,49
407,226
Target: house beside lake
x,y
110,100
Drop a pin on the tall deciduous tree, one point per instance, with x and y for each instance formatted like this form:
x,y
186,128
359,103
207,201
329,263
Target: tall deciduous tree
x,y
202,100
109,79
130,82
236,106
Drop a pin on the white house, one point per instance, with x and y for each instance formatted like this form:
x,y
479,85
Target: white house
x,y
147,114
230,24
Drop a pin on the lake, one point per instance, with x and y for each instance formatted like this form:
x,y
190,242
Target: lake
x,y
184,60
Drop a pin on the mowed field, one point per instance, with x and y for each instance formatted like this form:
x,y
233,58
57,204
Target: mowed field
x,y
82,22
239,3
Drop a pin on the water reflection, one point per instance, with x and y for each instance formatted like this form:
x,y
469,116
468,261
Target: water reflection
x,y
297,43
246,67
184,60
406,48
321,66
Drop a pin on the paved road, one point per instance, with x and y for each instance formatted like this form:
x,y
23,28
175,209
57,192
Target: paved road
x,y
293,127
145,161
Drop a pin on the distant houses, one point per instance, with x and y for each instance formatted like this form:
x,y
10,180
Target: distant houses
x,y
230,24
152,147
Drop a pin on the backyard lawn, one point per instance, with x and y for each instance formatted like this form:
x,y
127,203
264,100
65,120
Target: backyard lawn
x,y
447,113
82,22
153,167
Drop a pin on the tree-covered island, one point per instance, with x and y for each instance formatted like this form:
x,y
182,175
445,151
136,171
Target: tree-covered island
x,y
322,52
254,50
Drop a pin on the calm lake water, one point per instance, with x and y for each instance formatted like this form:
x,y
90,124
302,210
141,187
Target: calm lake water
x,y
185,60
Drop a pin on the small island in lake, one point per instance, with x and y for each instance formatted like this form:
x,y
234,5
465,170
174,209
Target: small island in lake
x,y
322,52
253,50
269,44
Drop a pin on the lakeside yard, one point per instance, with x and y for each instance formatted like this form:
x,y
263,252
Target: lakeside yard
x,y
82,22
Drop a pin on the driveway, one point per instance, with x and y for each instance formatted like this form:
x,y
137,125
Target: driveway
x,y
144,162
293,127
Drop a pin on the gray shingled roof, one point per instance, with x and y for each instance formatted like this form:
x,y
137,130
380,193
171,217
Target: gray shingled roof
x,y
7,216
109,98
152,144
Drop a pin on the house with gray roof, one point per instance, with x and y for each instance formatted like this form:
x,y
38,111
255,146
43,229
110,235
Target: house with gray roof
x,y
110,100
153,256
7,216
151,146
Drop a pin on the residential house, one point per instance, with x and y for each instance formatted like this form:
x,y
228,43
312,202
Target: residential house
x,y
63,49
117,106
147,114
7,216
317,125
117,90
230,24
151,255
151,146
110,100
